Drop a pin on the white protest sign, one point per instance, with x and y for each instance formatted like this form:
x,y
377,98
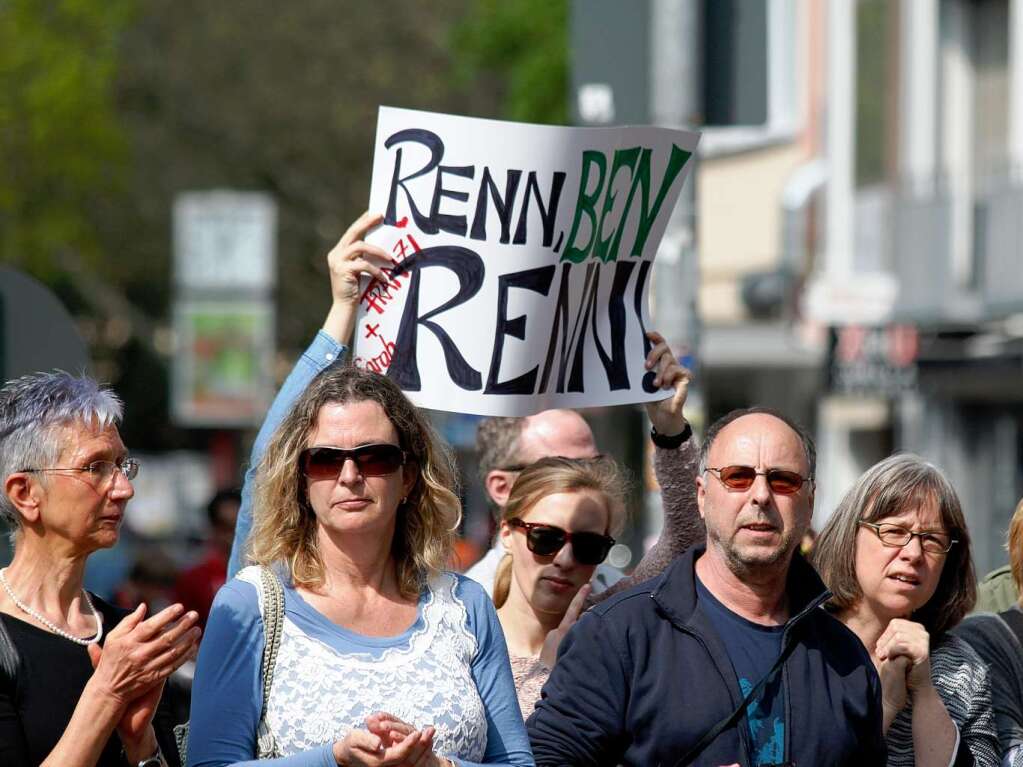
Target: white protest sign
x,y
522,258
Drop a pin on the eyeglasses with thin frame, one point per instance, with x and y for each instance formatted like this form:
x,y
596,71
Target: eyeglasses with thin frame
x,y
897,536
101,473
373,460
741,478
547,540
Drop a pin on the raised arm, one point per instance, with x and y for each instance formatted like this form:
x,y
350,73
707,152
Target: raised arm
x,y
676,458
347,262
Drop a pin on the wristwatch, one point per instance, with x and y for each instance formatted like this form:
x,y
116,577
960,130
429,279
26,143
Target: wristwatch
x,y
673,441
156,760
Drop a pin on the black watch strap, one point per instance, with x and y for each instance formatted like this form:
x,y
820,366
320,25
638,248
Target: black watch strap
x,y
671,442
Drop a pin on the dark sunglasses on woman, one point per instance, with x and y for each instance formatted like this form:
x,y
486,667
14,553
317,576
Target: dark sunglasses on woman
x,y
780,481
371,460
547,540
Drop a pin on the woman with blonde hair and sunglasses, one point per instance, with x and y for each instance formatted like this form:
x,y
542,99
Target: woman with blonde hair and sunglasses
x,y
559,523
896,556
385,659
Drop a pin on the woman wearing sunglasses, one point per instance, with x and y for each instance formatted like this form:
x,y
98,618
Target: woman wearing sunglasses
x,y
384,658
557,526
896,555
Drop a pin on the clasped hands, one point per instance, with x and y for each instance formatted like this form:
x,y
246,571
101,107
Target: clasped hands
x,y
387,741
903,650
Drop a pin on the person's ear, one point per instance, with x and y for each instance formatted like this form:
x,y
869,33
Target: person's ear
x,y
505,533
498,485
701,493
25,494
409,474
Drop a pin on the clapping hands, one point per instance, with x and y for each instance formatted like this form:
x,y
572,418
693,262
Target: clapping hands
x,y
135,661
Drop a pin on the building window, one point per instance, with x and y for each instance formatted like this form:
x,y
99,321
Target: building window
x,y
750,51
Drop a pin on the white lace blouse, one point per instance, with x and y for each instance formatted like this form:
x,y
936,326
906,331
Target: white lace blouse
x,y
449,669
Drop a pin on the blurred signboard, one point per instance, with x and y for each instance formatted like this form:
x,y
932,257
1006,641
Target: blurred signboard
x,y
224,240
224,275
867,300
872,360
223,363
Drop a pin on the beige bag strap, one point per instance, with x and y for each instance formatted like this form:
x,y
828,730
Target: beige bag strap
x,y
273,628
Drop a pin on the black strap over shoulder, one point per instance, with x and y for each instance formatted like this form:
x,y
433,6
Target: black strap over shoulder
x,y
740,710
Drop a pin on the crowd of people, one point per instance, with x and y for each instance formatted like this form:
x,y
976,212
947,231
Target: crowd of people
x,y
341,638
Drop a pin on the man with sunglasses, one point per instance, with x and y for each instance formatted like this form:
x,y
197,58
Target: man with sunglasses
x,y
727,656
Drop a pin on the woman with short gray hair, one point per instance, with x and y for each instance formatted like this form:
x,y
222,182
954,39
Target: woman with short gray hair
x,y
896,556
80,680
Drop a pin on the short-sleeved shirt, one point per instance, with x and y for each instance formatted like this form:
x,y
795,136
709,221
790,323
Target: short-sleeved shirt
x,y
753,650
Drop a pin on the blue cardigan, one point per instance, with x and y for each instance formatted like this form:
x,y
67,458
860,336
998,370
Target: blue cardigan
x,y
642,676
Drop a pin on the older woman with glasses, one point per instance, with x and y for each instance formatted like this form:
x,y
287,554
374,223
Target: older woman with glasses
x,y
896,555
80,680
384,658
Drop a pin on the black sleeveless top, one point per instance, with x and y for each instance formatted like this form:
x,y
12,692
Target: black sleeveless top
x,y
38,699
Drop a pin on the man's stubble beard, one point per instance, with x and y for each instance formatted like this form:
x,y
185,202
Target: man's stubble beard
x,y
742,566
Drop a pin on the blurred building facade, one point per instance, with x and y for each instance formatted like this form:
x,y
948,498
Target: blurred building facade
x,y
924,143
858,215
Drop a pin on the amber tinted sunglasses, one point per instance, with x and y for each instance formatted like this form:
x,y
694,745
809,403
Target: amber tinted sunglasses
x,y
780,481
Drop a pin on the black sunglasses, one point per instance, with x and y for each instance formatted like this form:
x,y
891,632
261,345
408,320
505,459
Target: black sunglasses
x,y
371,460
742,478
547,540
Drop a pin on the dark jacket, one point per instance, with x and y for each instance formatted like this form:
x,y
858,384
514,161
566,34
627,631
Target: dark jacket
x,y
642,676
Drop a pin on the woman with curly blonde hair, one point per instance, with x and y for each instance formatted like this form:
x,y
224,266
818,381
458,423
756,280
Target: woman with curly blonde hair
x,y
428,513
355,508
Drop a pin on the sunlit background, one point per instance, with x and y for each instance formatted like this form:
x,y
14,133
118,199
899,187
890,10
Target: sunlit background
x,y
847,249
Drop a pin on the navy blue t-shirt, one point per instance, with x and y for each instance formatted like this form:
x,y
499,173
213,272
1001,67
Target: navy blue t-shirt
x,y
753,649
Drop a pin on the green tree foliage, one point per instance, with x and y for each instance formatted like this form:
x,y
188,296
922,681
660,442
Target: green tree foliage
x,y
109,108
523,46
61,145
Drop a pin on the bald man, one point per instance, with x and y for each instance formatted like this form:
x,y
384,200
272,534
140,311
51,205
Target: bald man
x,y
726,656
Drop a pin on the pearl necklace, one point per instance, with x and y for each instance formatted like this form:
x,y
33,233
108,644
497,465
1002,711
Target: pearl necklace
x,y
58,631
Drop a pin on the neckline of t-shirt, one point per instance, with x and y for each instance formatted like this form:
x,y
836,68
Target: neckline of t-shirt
x,y
300,607
702,592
